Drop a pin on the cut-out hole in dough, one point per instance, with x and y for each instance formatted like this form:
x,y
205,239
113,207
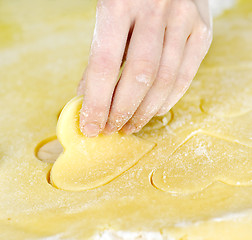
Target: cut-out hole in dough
x,y
48,150
48,177
202,160
87,163
58,115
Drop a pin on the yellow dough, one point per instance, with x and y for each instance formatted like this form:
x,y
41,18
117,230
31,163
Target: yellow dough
x,y
214,159
87,163
185,176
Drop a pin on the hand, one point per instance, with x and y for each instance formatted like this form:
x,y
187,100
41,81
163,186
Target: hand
x,y
163,42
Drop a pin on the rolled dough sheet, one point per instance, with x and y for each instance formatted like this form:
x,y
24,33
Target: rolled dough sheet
x,y
192,178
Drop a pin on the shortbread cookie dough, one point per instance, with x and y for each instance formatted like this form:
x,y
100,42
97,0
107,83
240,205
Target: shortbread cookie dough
x,y
88,163
192,180
202,160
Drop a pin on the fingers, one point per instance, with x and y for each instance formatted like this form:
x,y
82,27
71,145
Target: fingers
x,y
140,70
196,49
174,43
100,78
149,84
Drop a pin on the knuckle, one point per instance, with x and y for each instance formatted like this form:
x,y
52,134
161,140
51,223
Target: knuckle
x,y
204,31
103,63
144,70
205,37
186,8
116,7
160,2
189,6
159,7
144,64
166,76
182,17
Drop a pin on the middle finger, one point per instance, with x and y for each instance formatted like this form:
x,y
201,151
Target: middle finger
x,y
140,70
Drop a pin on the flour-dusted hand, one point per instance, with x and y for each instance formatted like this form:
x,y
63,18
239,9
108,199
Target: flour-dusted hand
x,y
163,42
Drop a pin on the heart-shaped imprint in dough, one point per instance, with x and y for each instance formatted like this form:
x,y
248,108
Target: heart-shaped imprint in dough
x,y
87,163
202,160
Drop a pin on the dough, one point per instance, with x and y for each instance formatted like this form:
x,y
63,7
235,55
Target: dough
x,y
87,163
195,183
202,160
225,103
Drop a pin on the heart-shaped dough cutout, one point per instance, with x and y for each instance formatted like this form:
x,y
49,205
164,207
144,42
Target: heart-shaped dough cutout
x,y
87,163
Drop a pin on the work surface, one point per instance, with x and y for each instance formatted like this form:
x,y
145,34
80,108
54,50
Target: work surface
x,y
195,183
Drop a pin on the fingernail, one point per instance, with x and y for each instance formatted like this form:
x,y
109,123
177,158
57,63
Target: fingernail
x,y
138,129
128,129
90,130
162,112
109,128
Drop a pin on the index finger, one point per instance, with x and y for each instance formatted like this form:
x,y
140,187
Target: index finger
x,y
109,40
